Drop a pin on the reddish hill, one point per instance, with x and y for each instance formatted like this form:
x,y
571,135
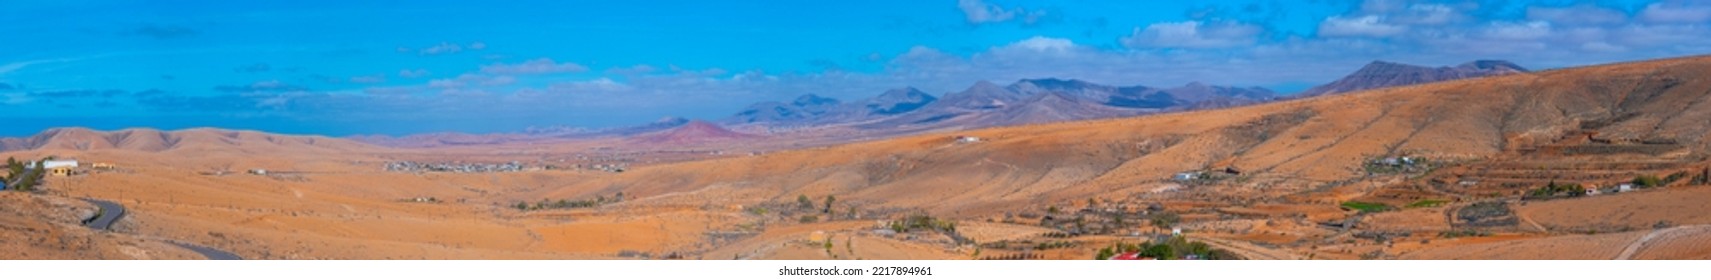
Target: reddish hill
x,y
692,132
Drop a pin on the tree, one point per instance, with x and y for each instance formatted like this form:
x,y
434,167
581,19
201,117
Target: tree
x,y
1166,219
16,168
1104,254
28,183
829,200
804,202
522,205
1646,181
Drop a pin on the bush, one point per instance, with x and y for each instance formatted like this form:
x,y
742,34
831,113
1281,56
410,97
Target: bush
x,y
808,219
1554,189
922,222
1366,207
1427,203
1673,177
829,200
804,202
1165,219
1647,181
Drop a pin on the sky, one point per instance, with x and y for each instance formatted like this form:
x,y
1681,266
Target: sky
x,y
344,68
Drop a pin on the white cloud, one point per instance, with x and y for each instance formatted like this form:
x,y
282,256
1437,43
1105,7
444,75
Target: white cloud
x,y
472,80
1193,34
1364,26
1430,14
442,48
980,12
638,69
536,66
1044,44
1683,12
413,73
1527,31
1602,47
1584,14
369,79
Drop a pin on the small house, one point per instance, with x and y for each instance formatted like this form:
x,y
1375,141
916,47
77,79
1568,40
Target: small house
x,y
1186,176
1625,187
258,171
1130,256
1390,161
103,166
964,139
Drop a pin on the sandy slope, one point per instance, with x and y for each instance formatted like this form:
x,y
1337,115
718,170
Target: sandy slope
x,y
330,198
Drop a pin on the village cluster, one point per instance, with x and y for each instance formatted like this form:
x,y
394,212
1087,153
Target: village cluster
x,y
454,167
54,167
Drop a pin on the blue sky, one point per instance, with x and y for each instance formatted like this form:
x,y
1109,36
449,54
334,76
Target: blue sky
x,y
397,67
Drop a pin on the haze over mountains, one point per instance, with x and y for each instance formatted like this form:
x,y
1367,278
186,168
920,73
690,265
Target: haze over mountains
x,y
908,110
153,140
987,104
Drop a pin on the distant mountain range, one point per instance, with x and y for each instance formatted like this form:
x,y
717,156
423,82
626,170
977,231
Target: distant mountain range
x,y
1381,74
983,104
987,104
188,140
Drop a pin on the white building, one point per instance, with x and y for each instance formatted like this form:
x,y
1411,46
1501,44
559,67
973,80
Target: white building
x,y
52,164
1186,176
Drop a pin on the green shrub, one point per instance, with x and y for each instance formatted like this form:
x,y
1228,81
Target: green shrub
x,y
804,202
1165,219
1647,181
1366,207
1423,203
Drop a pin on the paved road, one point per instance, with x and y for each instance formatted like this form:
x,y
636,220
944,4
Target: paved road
x,y
210,253
103,220
111,212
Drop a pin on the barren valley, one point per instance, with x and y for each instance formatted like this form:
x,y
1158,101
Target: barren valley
x,y
1600,162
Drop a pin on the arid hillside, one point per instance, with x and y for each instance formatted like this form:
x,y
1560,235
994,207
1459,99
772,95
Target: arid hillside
x,y
1307,178
1283,147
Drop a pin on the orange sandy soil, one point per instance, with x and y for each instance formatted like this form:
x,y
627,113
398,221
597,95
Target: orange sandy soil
x,y
1639,210
1566,247
329,198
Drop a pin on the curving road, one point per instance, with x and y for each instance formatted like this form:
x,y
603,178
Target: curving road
x,y
210,253
111,212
